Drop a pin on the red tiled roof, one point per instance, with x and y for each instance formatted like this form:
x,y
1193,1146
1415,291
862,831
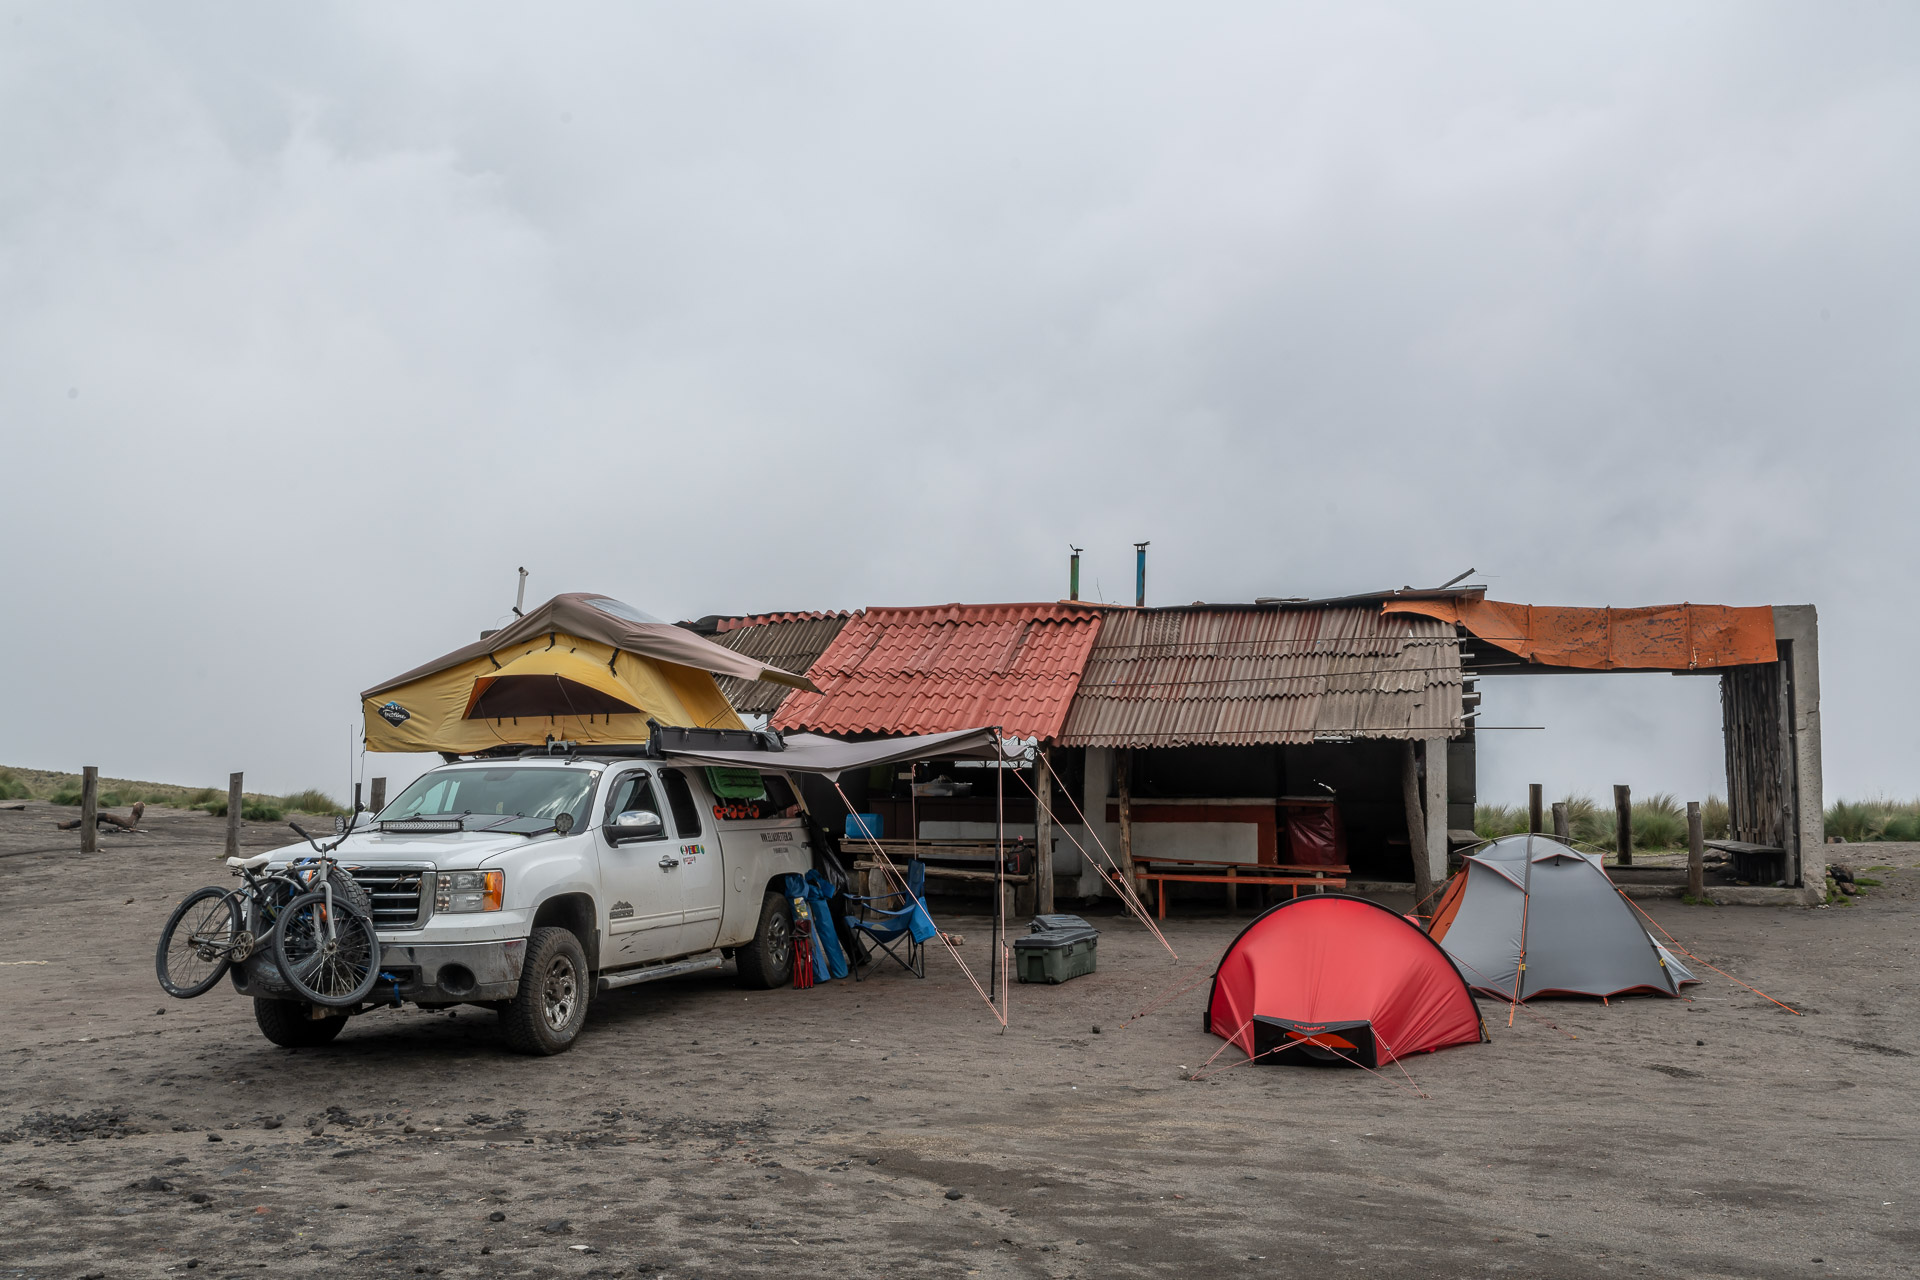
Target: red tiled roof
x,y
943,667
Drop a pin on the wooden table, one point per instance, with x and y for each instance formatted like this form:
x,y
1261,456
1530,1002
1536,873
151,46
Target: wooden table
x,y
1162,871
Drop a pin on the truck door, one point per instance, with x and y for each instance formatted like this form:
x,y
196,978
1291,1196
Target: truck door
x,y
702,877
638,878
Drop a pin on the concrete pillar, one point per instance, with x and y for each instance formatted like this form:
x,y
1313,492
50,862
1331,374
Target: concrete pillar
x,y
1799,626
1435,800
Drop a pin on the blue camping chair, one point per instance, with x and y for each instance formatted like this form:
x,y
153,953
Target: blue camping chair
x,y
898,920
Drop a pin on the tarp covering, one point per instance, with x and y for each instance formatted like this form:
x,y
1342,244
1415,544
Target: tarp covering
x,y
829,757
580,668
1671,637
1528,916
612,623
1333,961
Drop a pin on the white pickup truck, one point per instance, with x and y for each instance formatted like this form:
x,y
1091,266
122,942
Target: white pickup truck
x,y
528,883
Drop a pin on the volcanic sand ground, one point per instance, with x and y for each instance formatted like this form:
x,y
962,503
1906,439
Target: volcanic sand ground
x,y
698,1130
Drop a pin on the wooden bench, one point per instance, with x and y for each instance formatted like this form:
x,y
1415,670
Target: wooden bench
x,y
982,854
1163,871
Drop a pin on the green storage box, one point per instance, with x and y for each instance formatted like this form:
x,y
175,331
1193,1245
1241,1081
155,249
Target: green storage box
x,y
1055,955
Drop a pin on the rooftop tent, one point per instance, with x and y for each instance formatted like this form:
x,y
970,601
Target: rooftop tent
x,y
1329,977
583,668
1528,916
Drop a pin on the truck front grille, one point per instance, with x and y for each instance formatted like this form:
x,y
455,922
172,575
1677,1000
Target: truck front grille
x,y
400,895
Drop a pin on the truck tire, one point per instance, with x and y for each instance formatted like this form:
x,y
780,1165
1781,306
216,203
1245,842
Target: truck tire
x,y
546,1014
767,961
285,1022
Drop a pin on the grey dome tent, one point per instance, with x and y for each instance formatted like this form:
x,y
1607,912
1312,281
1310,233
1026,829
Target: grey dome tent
x,y
1529,916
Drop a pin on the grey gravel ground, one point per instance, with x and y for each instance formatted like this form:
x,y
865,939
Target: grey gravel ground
x,y
891,1128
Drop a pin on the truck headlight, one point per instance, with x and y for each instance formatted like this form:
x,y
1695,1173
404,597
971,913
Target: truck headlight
x,y
455,891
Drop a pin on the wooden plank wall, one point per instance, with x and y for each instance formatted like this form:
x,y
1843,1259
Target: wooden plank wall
x,y
1759,756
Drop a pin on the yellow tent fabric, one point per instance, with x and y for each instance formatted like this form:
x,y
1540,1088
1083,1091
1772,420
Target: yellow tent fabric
x,y
557,685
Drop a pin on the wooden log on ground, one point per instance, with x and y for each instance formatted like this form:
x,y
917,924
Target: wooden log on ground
x,y
112,819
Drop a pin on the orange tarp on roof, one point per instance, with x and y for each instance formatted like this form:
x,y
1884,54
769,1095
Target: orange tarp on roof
x,y
1668,637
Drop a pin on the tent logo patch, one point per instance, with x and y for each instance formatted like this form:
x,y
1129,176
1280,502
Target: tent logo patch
x,y
395,714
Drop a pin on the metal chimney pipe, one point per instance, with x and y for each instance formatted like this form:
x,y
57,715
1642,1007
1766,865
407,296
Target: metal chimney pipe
x,y
1140,574
1073,573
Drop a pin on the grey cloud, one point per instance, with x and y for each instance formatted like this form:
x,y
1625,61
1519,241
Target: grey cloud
x,y
368,306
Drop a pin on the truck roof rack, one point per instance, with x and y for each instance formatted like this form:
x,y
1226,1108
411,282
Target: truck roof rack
x,y
677,738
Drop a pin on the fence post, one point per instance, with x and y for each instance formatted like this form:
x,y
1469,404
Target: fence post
x,y
1562,828
1696,852
1533,809
1623,823
234,805
90,809
379,794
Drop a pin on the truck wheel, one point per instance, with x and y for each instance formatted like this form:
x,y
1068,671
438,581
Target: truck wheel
x,y
285,1022
767,961
548,1011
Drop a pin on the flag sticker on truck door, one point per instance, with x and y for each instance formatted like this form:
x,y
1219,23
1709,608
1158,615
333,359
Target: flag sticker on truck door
x,y
688,852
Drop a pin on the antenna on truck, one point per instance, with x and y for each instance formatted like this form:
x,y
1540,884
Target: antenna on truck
x,y
520,596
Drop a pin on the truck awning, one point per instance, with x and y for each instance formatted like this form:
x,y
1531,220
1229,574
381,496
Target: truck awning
x,y
830,757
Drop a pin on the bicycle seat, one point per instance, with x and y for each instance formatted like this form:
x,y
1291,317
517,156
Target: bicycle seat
x,y
254,863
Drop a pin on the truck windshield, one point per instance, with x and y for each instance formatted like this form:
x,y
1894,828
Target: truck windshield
x,y
508,792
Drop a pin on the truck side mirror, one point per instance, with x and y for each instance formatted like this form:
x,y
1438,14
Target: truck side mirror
x,y
636,824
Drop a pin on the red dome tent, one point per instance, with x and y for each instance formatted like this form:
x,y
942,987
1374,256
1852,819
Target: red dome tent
x,y
1343,978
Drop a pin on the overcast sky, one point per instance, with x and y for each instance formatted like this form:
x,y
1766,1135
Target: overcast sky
x,y
318,320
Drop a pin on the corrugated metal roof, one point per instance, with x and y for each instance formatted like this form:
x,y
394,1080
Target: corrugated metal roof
x,y
789,641
942,667
1198,676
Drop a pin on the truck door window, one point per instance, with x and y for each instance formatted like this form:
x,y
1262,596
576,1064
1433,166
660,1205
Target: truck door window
x,y
634,791
686,814
748,793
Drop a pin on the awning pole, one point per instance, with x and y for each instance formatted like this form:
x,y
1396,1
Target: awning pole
x,y
999,864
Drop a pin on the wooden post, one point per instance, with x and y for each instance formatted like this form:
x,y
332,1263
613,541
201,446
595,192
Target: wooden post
x,y
1562,828
90,809
1416,828
1123,773
1623,823
1533,809
234,805
1696,852
379,794
1043,831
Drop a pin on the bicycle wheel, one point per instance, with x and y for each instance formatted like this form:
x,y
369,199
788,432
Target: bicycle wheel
x,y
196,947
329,956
